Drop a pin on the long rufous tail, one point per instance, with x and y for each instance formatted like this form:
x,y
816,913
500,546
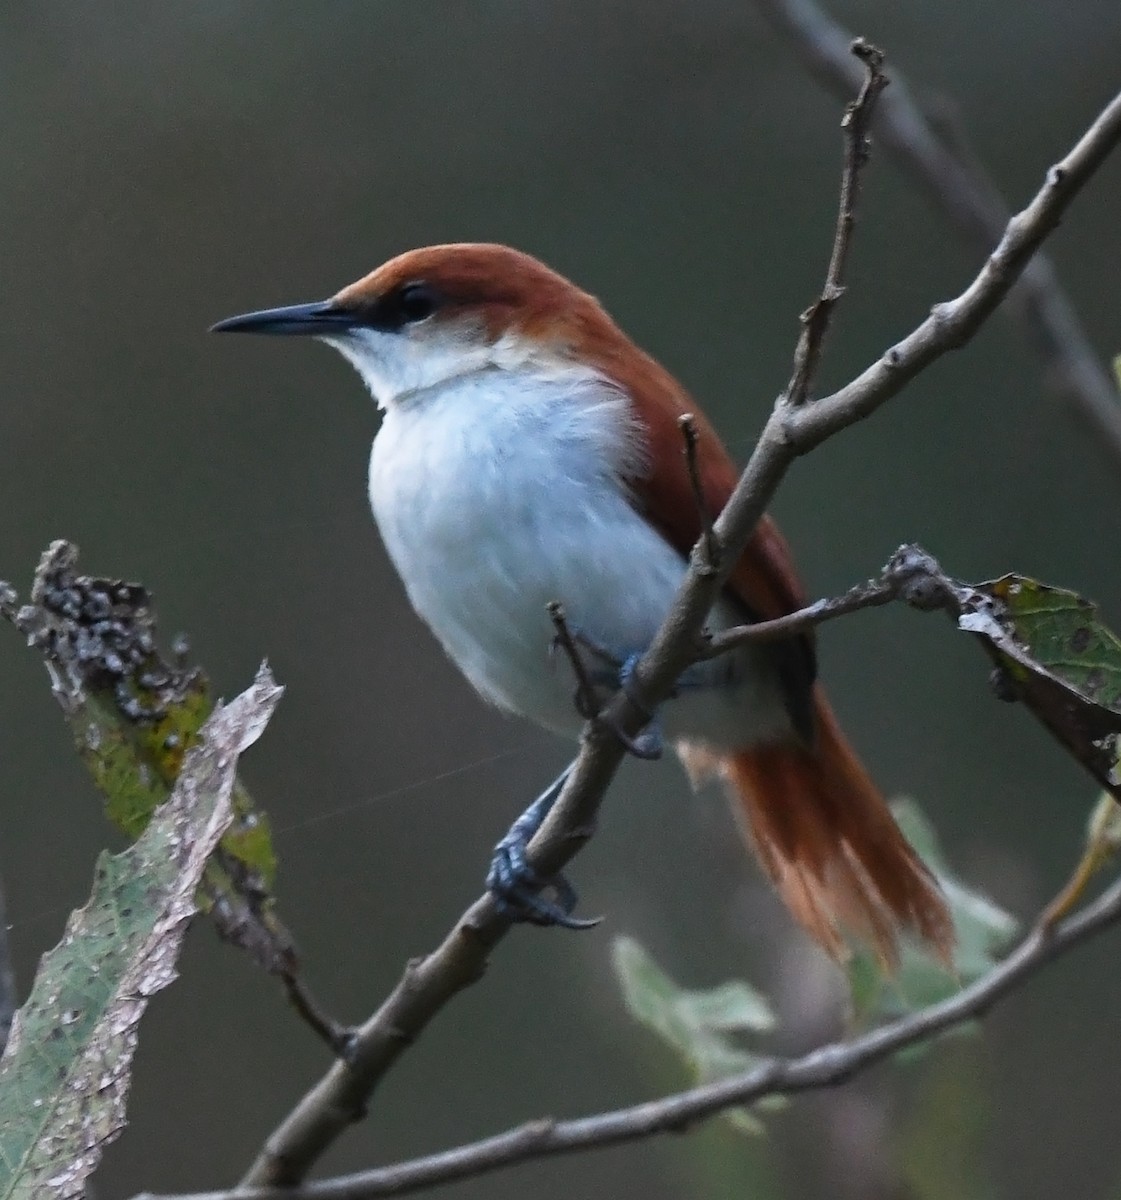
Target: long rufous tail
x,y
826,837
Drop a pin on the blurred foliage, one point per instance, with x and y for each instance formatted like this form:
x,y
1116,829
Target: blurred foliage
x,y
943,1144
701,1027
982,930
938,1147
1103,841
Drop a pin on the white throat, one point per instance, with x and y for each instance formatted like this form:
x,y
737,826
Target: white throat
x,y
396,367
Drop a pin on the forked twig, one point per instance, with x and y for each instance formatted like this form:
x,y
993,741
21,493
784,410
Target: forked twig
x,y
335,1034
964,194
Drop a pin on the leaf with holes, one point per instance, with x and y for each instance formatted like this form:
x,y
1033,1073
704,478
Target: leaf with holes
x,y
65,1073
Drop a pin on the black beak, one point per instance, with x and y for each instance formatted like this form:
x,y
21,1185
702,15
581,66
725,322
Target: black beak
x,y
316,319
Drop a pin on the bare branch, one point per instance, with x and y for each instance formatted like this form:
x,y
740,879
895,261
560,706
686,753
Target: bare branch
x,y
343,1094
816,318
973,205
827,1066
911,575
311,1012
873,594
952,324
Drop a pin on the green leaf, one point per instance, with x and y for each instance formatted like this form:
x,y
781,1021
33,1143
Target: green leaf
x,y
983,931
699,1026
134,715
65,1073
1054,654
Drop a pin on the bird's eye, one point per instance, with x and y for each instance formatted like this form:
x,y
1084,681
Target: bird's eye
x,y
406,304
416,302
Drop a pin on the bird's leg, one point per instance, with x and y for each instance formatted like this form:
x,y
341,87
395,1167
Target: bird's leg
x,y
648,743
516,886
611,673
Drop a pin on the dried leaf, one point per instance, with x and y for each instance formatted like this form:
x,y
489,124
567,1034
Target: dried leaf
x,y
65,1073
135,714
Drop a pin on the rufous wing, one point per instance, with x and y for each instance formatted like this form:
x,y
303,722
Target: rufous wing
x,y
817,822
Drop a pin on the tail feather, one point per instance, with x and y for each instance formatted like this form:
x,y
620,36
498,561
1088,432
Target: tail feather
x,y
829,842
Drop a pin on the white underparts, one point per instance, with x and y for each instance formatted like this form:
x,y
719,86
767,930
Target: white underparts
x,y
498,489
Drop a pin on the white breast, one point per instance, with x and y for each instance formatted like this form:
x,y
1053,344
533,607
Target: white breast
x,y
500,491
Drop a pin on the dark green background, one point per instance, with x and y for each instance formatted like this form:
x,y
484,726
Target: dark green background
x,y
166,165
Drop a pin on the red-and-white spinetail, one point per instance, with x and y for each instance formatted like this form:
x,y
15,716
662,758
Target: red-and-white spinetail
x,y
530,452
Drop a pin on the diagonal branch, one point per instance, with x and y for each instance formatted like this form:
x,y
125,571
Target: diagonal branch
x,y
973,205
342,1096
827,1066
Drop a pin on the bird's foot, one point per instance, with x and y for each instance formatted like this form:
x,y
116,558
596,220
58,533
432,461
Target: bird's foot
x,y
648,744
610,672
517,887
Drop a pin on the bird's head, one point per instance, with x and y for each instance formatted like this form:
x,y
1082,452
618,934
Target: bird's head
x,y
432,315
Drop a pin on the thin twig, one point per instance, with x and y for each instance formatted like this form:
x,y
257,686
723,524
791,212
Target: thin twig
x,y
966,196
911,575
1103,841
827,1066
334,1033
816,318
688,425
874,593
585,699
342,1096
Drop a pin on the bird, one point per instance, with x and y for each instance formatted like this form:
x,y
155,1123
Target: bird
x,y
530,454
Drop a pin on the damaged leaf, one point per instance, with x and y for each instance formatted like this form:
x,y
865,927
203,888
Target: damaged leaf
x,y
135,714
65,1073
1053,653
